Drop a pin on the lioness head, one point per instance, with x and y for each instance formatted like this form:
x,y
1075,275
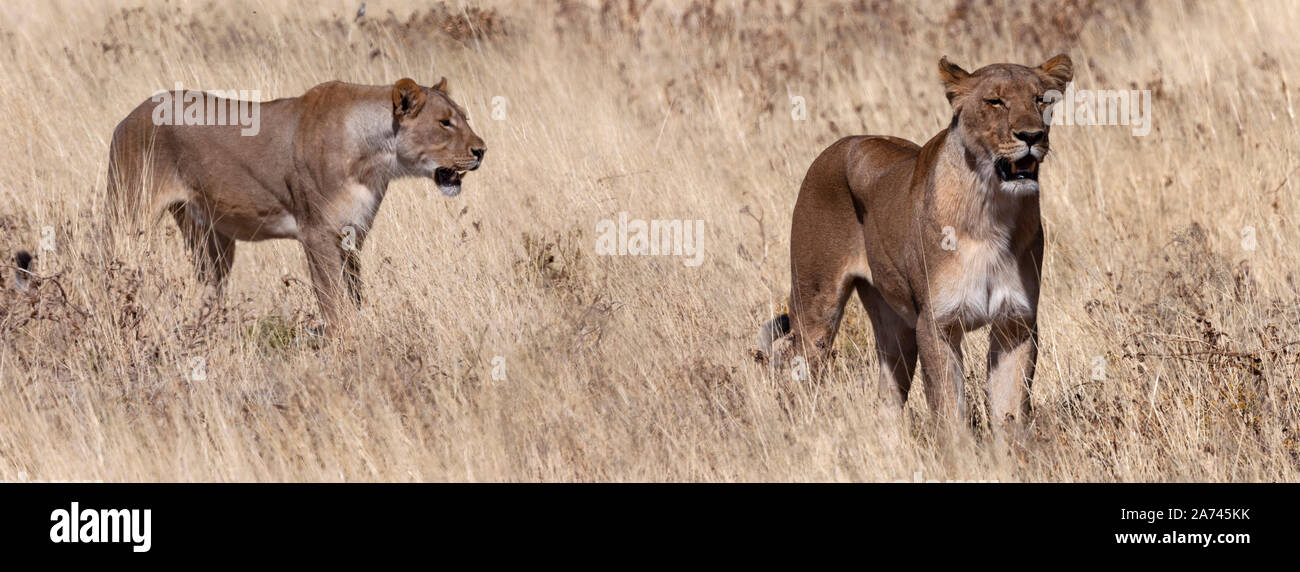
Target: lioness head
x,y
999,116
434,138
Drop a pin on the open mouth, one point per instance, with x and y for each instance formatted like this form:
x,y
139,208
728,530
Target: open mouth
x,y
448,180
1022,169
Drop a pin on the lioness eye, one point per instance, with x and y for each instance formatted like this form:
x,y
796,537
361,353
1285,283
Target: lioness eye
x,y
445,122
994,102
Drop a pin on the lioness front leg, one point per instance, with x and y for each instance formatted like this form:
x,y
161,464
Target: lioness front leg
x,y
1013,351
325,260
941,366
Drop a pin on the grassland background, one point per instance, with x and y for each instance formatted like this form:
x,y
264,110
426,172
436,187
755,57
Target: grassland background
x,y
1169,349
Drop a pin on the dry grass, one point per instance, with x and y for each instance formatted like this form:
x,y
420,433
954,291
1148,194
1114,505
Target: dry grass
x,y
628,368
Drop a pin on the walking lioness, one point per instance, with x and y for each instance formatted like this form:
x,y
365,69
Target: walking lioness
x,y
315,169
937,241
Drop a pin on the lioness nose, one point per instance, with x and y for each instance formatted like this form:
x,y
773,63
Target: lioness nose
x,y
478,152
1030,137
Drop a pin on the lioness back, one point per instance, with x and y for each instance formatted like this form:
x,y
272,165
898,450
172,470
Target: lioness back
x,y
153,164
848,167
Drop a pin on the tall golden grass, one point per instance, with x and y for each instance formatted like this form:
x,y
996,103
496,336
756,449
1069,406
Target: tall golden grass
x,y
1169,346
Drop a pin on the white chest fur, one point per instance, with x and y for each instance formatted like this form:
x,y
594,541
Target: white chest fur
x,y
355,206
981,284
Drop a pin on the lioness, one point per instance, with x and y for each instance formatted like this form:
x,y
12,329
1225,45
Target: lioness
x,y
315,171
937,240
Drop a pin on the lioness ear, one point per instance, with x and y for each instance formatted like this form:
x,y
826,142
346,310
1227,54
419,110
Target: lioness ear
x,y
953,78
1057,71
408,98
442,85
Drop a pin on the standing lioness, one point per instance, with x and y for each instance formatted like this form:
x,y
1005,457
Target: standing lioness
x,y
315,170
936,240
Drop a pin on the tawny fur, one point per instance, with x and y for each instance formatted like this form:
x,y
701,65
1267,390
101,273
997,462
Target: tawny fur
x,y
316,171
936,240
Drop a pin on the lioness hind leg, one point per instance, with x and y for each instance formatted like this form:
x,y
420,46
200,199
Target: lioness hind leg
x,y
212,253
827,255
896,348
816,307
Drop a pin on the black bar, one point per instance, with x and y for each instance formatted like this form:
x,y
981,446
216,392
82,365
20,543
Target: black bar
x,y
660,520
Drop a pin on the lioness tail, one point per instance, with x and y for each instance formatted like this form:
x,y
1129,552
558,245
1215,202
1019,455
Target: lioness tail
x,y
774,330
23,270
